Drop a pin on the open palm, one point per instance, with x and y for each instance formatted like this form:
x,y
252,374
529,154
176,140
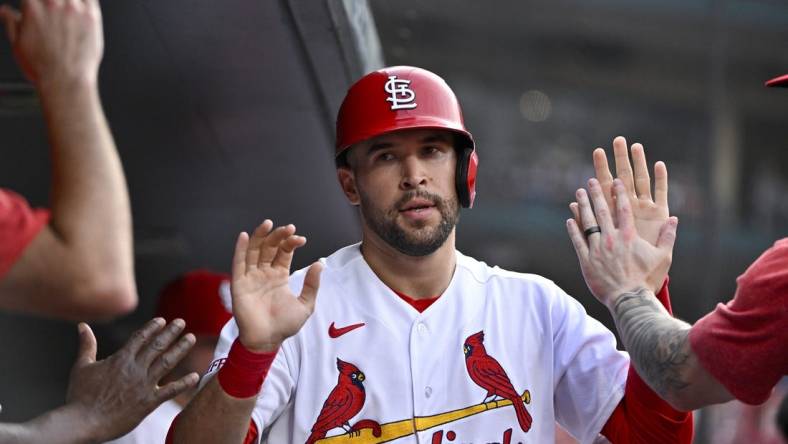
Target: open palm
x,y
266,310
615,259
649,213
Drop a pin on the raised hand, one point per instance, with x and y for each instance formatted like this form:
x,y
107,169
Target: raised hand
x,y
265,309
616,258
56,40
650,214
113,395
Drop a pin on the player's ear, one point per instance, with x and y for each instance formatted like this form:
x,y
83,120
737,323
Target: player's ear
x,y
347,180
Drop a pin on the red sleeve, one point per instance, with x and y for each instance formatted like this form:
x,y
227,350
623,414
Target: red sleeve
x,y
642,416
742,344
19,224
251,434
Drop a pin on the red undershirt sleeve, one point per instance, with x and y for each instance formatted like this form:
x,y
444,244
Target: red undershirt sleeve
x,y
642,416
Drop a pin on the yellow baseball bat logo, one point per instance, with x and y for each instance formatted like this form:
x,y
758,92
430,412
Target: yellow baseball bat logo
x,y
400,429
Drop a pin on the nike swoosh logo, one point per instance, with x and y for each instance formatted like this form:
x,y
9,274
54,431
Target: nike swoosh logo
x,y
337,332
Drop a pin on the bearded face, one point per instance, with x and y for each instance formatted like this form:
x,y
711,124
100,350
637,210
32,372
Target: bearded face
x,y
403,182
412,236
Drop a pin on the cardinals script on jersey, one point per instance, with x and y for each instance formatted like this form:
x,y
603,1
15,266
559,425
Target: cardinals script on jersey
x,y
499,354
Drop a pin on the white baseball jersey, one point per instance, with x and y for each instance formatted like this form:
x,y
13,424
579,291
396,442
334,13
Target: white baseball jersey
x,y
449,374
153,429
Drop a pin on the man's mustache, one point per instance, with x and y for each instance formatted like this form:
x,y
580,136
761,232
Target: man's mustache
x,y
410,195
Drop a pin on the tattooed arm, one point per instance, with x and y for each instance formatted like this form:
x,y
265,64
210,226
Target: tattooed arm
x,y
659,347
616,263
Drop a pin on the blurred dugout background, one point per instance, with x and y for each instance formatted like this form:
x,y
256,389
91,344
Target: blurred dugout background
x,y
223,114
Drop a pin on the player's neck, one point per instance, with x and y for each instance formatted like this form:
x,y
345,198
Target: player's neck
x,y
418,277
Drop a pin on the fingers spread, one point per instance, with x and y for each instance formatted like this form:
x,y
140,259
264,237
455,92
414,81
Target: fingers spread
x,y
623,168
161,342
175,388
270,246
661,184
642,180
87,345
167,361
144,335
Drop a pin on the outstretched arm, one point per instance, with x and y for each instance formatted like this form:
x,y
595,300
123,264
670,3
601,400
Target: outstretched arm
x,y
616,264
658,345
649,213
266,312
81,265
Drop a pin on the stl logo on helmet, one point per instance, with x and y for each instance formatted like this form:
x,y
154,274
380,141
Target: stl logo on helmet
x,y
400,94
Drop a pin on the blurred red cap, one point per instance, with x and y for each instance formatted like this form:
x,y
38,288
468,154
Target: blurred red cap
x,y
779,81
201,298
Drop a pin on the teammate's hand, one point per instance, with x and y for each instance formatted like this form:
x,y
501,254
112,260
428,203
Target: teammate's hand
x,y
650,214
113,395
56,41
265,309
616,259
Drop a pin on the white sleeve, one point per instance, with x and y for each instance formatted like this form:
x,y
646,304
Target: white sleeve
x,y
590,372
277,387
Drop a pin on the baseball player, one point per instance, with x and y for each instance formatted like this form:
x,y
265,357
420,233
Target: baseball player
x,y
736,351
202,299
75,262
410,340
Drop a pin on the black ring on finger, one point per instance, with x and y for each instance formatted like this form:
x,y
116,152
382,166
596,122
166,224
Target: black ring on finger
x,y
591,230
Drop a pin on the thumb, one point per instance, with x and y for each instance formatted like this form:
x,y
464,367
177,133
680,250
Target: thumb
x,y
311,284
667,234
87,346
10,18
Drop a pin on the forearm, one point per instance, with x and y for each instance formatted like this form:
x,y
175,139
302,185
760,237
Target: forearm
x,y
63,425
213,416
90,206
657,344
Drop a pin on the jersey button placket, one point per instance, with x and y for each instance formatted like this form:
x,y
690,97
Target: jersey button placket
x,y
420,348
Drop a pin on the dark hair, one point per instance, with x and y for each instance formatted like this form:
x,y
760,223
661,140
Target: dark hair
x,y
340,160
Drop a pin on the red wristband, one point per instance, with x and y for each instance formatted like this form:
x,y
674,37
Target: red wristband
x,y
243,372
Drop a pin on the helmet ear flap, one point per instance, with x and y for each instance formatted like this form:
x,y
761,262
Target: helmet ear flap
x,y
467,165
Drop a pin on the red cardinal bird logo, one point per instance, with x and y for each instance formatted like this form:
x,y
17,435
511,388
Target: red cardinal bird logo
x,y
343,403
485,371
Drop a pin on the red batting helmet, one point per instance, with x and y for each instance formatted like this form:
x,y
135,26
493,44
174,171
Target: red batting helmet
x,y
779,81
406,97
201,298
